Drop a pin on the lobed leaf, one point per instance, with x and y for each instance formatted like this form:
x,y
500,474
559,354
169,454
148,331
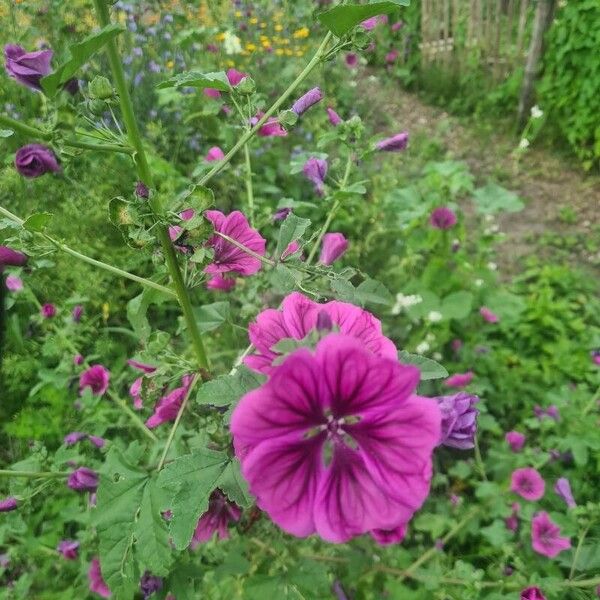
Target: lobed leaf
x,y
342,19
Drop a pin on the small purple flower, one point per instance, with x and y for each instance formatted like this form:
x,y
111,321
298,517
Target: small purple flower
x,y
442,218
545,536
488,315
69,549
396,143
459,420
77,360
563,489
96,378
235,77
595,354
397,26
351,59
370,24
527,483
305,102
141,190
11,258
83,480
532,593
97,583
97,441
459,380
48,310
14,284
149,584
221,512
35,160
140,366
27,68
72,438
334,118
8,504
72,86
515,440
334,246
315,170
392,56
552,412
215,153
77,312
281,214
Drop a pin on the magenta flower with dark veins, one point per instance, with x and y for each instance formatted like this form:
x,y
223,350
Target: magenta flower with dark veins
x,y
334,118
27,68
11,258
227,256
220,514
35,160
299,316
83,480
532,593
69,549
545,536
443,218
334,246
527,483
8,504
396,143
563,488
336,443
97,583
459,420
305,102
315,170
97,378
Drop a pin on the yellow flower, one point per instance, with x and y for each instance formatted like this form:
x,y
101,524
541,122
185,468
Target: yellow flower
x,y
170,64
279,52
289,52
263,25
230,63
238,13
278,27
220,36
250,47
105,311
266,44
253,21
301,33
299,53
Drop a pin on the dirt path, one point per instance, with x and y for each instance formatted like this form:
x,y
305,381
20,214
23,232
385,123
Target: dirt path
x,y
562,202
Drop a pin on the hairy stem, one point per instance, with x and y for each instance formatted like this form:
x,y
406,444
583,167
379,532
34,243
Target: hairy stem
x,y
135,419
249,188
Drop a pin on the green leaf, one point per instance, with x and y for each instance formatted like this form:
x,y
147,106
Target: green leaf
x,y
228,389
80,53
493,198
211,316
137,308
234,485
457,305
4,133
37,222
429,368
284,279
292,229
506,305
341,19
497,534
217,81
373,292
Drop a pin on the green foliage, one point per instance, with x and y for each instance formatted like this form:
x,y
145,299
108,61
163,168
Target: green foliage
x,y
342,19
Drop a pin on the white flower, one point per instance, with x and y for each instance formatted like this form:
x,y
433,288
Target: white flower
x,y
437,356
479,282
489,218
430,337
403,301
422,348
231,43
492,266
537,112
434,316
524,144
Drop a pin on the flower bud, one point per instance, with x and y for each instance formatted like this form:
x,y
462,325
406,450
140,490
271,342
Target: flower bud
x,y
100,88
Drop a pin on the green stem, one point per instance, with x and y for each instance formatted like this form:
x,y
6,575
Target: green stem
x,y
592,402
248,135
24,129
34,475
582,583
249,188
332,212
177,420
145,175
92,261
264,260
479,460
133,416
578,551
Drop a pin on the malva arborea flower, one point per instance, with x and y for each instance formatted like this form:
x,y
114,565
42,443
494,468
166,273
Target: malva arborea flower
x,y
351,59
235,77
212,93
305,102
442,218
272,128
135,391
97,378
459,420
228,257
140,366
545,536
488,315
563,488
176,231
532,593
396,143
370,24
459,380
8,504
77,313
334,246
221,512
527,483
72,438
392,56
214,153
334,118
11,258
397,26
515,440
336,443
97,583
291,249
83,480
68,548
48,310
14,284
315,170
35,160
27,68
220,283
168,406
512,522
299,316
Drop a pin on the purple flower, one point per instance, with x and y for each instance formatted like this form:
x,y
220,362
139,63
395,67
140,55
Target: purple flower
x,y
77,312
459,420
83,480
563,489
140,366
220,283
35,160
488,315
234,77
552,412
72,438
442,218
149,584
545,536
397,26
596,357
299,316
532,593
370,24
77,360
97,441
135,392
212,93
396,143
459,380
392,56
27,67
351,59
221,512
48,310
315,170
8,504
72,86
97,378
527,483
168,406
11,258
14,284
215,153
281,214
334,246
387,537
69,549
141,190
228,257
515,440
305,102
335,443
97,583
334,118
291,248
272,128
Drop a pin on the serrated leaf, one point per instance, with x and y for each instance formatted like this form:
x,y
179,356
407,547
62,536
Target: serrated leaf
x,y
292,229
137,308
217,81
342,19
226,390
80,53
492,199
284,279
37,222
211,316
234,486
429,368
371,291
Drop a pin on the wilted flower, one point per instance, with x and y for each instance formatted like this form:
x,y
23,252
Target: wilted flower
x,y
48,310
334,246
563,489
459,380
149,584
83,480
214,153
35,160
335,442
8,504
315,170
13,283
97,584
221,512
305,102
488,315
442,218
299,315
220,283
141,190
334,118
77,312
545,536
527,483
97,378
515,440
459,420
281,214
532,593
27,68
11,258
68,548
396,143
228,257
512,522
